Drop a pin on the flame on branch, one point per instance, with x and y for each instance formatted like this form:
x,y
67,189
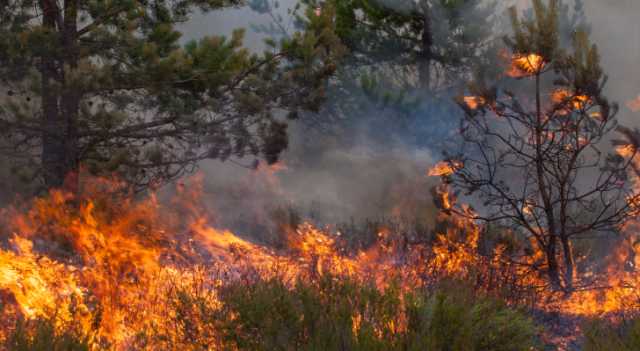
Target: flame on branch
x,y
474,102
444,168
573,102
525,65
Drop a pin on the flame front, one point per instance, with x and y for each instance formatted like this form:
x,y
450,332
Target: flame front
x,y
131,258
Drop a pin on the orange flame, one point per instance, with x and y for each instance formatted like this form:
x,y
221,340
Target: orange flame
x,y
38,284
444,168
525,65
575,102
474,102
131,256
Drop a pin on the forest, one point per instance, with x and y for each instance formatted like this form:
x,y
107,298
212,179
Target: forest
x,y
441,175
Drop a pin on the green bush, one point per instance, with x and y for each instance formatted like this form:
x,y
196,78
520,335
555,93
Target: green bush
x,y
452,320
329,315
337,314
604,336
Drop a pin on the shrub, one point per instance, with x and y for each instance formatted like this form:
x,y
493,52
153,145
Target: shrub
x,y
337,314
452,320
41,335
328,315
605,336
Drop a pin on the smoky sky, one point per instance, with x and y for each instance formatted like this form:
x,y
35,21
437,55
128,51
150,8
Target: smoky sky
x,y
338,182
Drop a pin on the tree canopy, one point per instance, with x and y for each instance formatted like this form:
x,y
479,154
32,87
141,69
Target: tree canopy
x,y
106,86
405,60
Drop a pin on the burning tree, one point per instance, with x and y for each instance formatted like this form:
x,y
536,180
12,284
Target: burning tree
x,y
108,85
538,159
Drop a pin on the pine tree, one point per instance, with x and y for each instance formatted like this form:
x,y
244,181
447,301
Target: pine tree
x,y
406,59
438,37
106,86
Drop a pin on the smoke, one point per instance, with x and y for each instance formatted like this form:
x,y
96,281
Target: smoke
x,y
373,173
615,29
325,181
366,168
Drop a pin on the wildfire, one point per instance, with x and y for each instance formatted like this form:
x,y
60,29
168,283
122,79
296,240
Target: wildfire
x,y
456,252
130,256
444,168
114,264
626,150
574,102
525,65
38,284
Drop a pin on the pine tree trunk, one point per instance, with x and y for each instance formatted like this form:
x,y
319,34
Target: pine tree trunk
x,y
70,96
424,65
53,145
60,101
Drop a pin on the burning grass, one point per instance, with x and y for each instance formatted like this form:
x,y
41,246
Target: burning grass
x,y
116,269
104,270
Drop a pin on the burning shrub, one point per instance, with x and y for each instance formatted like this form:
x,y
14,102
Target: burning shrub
x,y
138,274
536,155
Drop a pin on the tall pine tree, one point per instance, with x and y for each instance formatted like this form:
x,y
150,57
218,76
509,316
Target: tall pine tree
x,y
106,86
